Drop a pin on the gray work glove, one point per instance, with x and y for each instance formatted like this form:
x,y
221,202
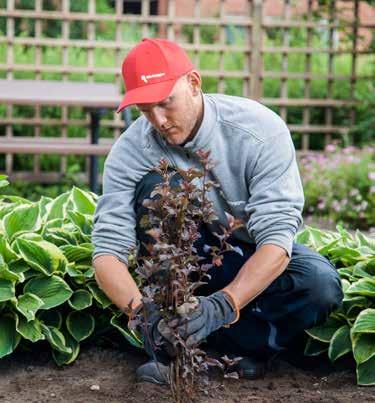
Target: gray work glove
x,y
200,317
155,345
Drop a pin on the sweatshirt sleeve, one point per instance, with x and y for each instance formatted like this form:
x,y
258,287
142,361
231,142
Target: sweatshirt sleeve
x,y
114,218
276,194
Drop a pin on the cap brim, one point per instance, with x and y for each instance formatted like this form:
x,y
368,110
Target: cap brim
x,y
147,94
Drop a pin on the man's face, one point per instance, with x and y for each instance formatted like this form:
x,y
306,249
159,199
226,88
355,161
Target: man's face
x,y
176,116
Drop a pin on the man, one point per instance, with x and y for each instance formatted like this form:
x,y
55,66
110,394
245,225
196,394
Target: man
x,y
255,304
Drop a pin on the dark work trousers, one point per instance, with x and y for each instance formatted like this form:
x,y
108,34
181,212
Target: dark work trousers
x,y
302,296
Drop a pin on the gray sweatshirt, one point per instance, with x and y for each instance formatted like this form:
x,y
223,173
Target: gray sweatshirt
x,y
256,169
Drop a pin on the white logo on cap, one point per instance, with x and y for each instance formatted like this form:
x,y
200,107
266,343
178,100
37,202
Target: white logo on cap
x,y
146,78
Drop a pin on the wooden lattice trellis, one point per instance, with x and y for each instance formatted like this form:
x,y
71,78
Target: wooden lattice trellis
x,y
253,26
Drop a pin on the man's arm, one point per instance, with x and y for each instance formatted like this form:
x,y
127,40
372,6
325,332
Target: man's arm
x,y
114,279
264,266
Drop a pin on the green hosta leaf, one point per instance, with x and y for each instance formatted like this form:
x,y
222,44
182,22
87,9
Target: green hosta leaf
x,y
303,237
81,299
340,343
99,295
364,241
354,304
89,273
80,273
28,304
346,273
318,238
7,290
43,256
363,346
3,181
55,223
82,222
6,274
364,286
53,291
51,318
348,256
360,270
9,338
346,236
15,200
5,208
56,208
315,347
56,339
43,202
326,249
366,372
72,270
325,331
20,267
6,251
366,251
30,330
65,358
22,219
365,322
345,284
130,335
78,254
82,201
60,237
29,236
80,325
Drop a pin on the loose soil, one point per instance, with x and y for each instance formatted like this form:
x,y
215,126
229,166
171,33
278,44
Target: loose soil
x,y
102,374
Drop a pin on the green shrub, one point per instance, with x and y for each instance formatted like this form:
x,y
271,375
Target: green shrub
x,y
339,185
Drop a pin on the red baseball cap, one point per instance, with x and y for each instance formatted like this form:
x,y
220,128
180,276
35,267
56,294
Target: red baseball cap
x,y
150,71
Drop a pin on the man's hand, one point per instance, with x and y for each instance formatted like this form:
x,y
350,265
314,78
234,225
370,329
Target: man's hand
x,y
200,317
156,346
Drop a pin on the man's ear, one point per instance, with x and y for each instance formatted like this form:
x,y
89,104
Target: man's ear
x,y
195,82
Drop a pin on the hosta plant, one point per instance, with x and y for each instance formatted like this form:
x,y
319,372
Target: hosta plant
x,y
47,286
351,329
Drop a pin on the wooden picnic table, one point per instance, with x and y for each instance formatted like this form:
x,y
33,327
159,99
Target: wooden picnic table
x,y
95,97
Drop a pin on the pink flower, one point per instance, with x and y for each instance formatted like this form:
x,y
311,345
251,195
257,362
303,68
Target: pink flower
x,y
371,176
354,192
336,206
330,148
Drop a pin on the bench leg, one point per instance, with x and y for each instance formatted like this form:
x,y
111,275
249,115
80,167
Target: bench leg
x,y
127,117
94,166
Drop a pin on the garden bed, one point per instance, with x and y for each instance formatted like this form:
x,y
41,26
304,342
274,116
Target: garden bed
x,y
34,377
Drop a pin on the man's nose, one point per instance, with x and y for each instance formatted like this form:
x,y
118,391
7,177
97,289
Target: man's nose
x,y
159,119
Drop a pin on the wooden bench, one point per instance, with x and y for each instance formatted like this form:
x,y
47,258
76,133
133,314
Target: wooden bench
x,y
95,97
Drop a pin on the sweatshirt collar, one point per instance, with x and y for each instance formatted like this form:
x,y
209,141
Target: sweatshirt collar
x,y
205,131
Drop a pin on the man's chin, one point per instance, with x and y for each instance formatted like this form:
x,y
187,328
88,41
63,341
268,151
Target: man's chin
x,y
175,141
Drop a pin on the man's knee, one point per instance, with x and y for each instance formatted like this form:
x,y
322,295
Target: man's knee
x,y
324,290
